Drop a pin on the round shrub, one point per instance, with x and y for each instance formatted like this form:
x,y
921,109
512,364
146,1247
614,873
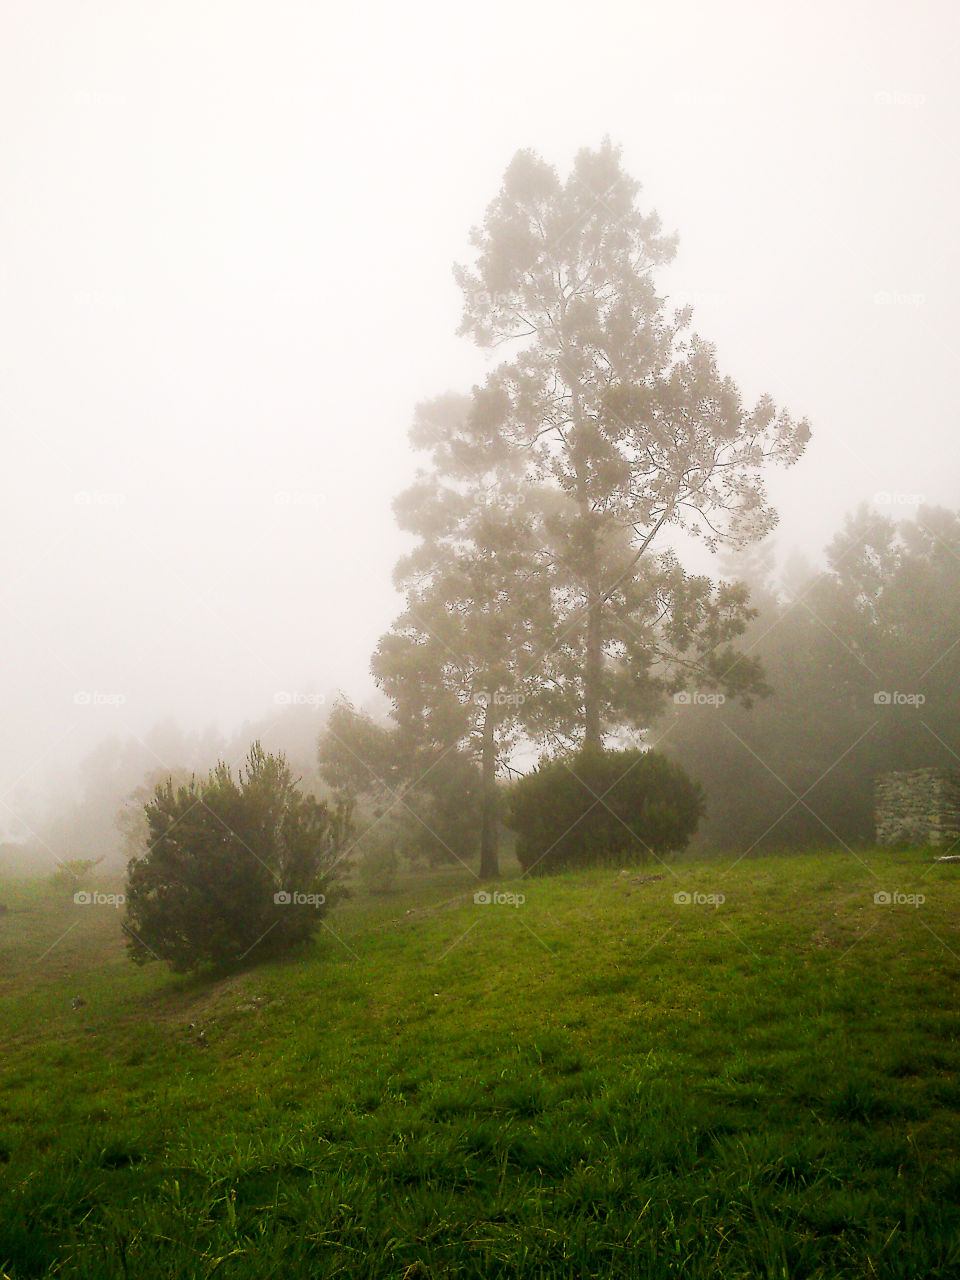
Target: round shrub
x,y
603,806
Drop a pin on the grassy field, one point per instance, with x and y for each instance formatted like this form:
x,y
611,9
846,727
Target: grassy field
x,y
598,1082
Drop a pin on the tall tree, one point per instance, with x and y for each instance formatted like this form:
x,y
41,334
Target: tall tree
x,y
458,662
625,424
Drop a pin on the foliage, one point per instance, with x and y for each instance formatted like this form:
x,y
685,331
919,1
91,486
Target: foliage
x,y
428,798
233,865
357,756
442,807
609,806
461,662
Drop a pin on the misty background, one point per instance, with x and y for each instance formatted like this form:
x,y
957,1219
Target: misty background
x,y
226,240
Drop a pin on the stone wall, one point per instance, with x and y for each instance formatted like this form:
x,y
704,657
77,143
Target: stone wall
x,y
918,807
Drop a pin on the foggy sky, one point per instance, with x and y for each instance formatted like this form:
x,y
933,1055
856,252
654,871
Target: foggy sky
x,y
226,240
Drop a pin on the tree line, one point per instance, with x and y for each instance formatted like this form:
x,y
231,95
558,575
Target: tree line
x,y
863,663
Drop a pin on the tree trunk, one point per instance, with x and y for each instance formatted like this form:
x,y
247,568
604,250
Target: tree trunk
x,y
489,864
593,659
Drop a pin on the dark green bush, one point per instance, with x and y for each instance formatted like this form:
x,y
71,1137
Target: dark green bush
x,y
596,807
234,867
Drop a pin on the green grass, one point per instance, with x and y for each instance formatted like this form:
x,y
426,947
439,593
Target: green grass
x,y
599,1083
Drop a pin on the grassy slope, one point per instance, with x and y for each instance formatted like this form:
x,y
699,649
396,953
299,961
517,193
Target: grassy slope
x,y
598,1083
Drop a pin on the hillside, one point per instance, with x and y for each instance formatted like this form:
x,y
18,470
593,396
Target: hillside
x,y
598,1082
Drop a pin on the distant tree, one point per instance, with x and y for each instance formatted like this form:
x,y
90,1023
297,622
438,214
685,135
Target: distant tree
x,y
131,816
378,866
292,727
357,756
458,664
409,800
233,864
71,874
626,429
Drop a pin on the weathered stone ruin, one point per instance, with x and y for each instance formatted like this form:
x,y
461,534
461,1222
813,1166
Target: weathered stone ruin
x,y
918,807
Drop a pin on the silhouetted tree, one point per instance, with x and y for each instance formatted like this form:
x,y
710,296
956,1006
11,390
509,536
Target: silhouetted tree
x,y
626,429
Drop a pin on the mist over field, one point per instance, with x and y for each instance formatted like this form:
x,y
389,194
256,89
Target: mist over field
x,y
480,664
227,243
